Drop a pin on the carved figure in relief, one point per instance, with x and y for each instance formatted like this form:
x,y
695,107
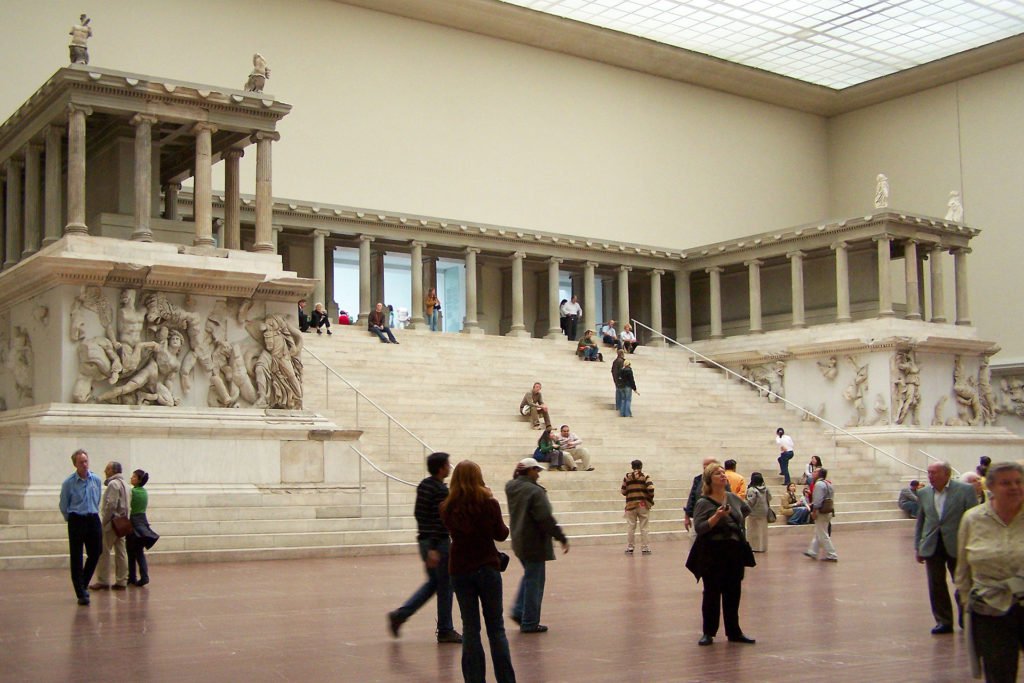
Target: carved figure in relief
x,y
856,391
807,417
129,344
968,408
940,408
986,395
41,314
260,74
80,34
98,361
829,368
954,208
906,387
881,411
278,369
881,191
1012,390
229,380
20,361
152,384
160,312
768,379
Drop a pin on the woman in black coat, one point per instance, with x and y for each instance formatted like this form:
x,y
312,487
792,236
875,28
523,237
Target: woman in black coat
x,y
720,555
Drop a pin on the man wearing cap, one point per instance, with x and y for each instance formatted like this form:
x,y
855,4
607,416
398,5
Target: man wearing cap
x,y
533,527
80,505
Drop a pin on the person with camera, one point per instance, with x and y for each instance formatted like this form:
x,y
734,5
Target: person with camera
x,y
432,309
720,555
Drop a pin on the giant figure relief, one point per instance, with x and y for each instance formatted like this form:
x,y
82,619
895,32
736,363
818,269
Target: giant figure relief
x,y
769,378
16,358
906,393
968,401
150,356
1011,398
856,391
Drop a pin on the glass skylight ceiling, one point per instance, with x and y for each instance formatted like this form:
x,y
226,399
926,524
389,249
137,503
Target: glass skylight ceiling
x,y
828,42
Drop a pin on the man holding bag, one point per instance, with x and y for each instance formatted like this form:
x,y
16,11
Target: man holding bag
x,y
115,504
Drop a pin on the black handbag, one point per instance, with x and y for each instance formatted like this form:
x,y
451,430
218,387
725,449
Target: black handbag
x,y
503,560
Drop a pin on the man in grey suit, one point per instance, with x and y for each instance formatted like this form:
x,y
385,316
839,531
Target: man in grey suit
x,y
938,521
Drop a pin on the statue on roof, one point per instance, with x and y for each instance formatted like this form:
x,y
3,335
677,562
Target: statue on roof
x,y
881,191
80,34
955,208
260,74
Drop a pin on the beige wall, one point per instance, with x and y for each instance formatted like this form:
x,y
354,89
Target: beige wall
x,y
965,136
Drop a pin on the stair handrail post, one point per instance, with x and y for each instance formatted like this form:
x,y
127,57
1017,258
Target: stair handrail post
x,y
875,449
387,500
931,457
327,388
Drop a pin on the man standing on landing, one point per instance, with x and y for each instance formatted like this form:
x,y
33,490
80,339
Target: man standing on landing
x,y
116,503
533,527
80,505
941,506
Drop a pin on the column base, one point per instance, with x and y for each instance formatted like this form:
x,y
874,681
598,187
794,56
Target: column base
x,y
266,247
47,241
756,330
555,333
657,342
76,229
204,242
28,252
9,264
520,333
887,314
473,329
965,321
142,236
717,336
798,326
844,319
940,319
914,316
417,324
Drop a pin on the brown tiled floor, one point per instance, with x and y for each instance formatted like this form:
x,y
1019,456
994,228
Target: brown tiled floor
x,y
612,618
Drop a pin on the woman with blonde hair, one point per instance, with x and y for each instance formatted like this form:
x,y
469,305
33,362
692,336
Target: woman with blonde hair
x,y
319,319
473,517
431,308
720,555
628,338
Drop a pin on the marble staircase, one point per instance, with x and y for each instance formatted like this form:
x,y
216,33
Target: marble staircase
x,y
460,394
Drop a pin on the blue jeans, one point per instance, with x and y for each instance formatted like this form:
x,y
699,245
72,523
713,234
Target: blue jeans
x,y
380,332
784,465
590,353
482,588
531,593
620,394
432,319
627,401
800,516
437,582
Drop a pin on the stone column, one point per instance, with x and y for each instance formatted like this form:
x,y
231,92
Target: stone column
x,y
656,322
938,292
623,305
232,200
218,232
330,305
754,277
275,237
910,274
607,300
796,263
518,328
365,305
143,175
684,327
203,179
418,320
554,314
716,301
963,313
171,191
76,170
589,297
264,193
318,265
33,166
14,214
471,326
884,291
377,277
3,210
842,282
52,185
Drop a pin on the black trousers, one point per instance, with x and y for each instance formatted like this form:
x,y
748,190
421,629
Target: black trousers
x,y
84,531
136,559
938,591
722,590
999,641
570,326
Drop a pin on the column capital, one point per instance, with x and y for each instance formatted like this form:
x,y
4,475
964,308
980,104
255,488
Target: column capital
x,y
755,262
795,254
260,135
201,126
277,227
471,250
233,153
555,260
912,240
14,163
835,246
367,238
322,233
218,222
657,272
960,250
74,108
625,269
176,187
518,255
33,146
591,264
884,236
417,243
935,246
139,119
714,269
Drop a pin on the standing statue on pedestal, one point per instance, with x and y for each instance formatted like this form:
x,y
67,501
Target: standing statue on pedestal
x,y
80,34
955,208
260,74
906,387
881,191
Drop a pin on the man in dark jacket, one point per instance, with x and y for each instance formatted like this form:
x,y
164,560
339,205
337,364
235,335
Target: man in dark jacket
x,y
620,358
377,322
533,527
434,543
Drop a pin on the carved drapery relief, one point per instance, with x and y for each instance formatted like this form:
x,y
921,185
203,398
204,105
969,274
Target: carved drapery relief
x,y
42,315
162,313
906,392
829,369
1011,399
98,360
986,395
770,379
278,368
856,391
968,402
940,408
881,416
20,362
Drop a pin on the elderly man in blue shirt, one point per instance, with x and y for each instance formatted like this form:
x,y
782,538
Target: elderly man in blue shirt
x,y
80,505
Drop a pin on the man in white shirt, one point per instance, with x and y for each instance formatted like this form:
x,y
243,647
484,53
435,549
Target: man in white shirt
x,y
572,311
571,445
785,443
609,335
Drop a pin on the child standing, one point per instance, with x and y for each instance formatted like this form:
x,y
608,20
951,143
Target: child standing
x,y
638,489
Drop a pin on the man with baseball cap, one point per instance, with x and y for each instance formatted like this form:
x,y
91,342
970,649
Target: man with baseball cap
x,y
533,527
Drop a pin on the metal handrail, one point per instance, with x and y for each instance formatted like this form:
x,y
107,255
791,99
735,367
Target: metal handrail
x,y
388,478
391,418
835,428
933,458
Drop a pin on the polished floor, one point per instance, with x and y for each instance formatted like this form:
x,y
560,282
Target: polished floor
x,y
612,618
